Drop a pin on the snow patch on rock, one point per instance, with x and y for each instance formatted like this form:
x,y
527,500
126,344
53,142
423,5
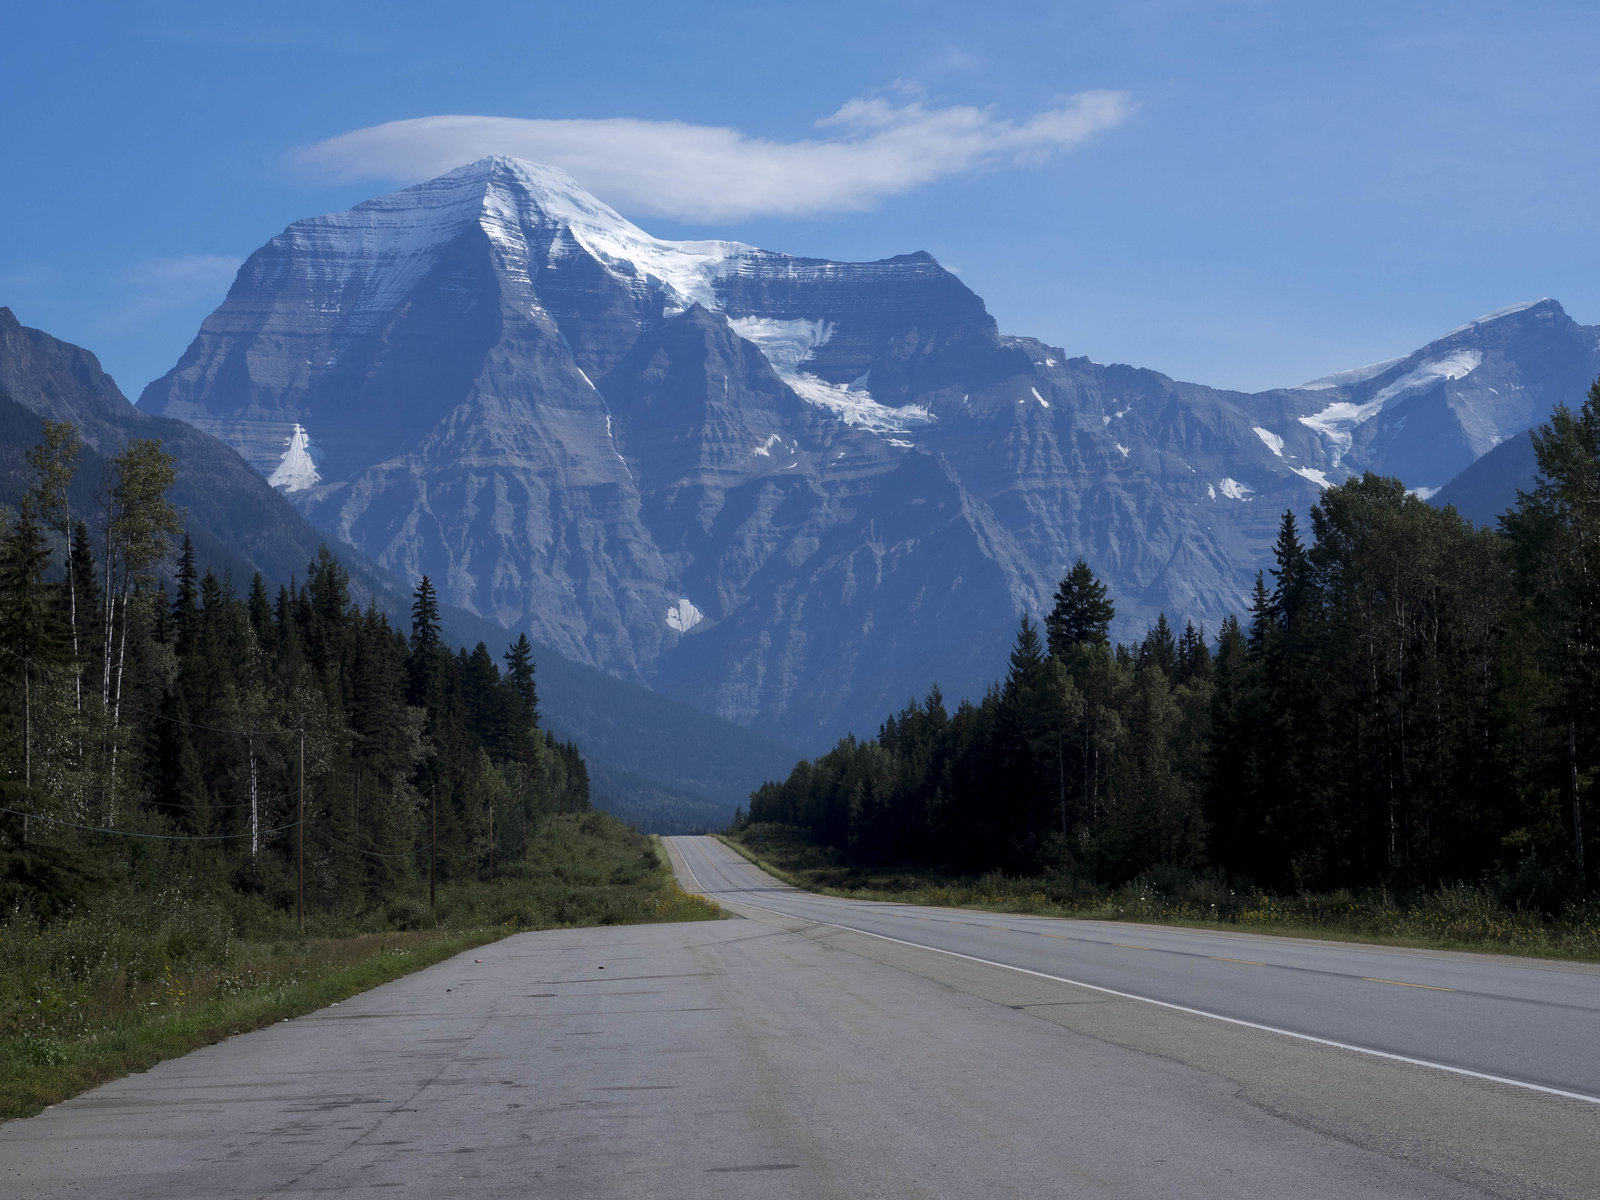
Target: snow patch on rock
x,y
789,343
1336,422
1272,440
1038,397
786,344
1233,489
855,406
684,616
1315,476
296,472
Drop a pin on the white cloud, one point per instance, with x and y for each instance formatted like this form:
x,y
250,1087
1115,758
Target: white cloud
x,y
871,149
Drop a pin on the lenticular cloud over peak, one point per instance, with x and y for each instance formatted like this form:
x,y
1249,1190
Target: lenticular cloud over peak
x,y
871,149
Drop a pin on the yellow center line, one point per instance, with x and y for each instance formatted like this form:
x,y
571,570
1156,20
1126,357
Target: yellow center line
x,y
1402,983
1247,962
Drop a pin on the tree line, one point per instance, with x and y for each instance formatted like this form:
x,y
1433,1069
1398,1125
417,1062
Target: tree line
x,y
176,733
1410,701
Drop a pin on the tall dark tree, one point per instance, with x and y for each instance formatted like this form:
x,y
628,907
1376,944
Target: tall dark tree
x,y
32,633
186,604
424,664
519,676
1160,648
1555,535
1082,612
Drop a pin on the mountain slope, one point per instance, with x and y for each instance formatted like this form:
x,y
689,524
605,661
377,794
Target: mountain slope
x,y
656,762
780,488
1485,490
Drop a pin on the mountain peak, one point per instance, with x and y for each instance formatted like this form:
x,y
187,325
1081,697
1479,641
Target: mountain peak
x,y
547,188
1543,304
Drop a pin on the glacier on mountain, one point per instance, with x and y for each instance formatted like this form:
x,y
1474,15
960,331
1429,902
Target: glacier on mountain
x,y
569,424
1337,421
296,472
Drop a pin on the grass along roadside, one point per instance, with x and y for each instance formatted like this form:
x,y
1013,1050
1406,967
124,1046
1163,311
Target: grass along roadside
x,y
1459,918
133,978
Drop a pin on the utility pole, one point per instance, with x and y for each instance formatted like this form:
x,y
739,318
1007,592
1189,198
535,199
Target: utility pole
x,y
302,828
433,848
491,841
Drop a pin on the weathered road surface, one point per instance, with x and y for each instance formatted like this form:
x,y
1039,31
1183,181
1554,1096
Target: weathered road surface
x,y
785,1056
1513,1019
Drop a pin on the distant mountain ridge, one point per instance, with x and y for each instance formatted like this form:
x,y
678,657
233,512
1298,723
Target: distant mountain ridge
x,y
786,490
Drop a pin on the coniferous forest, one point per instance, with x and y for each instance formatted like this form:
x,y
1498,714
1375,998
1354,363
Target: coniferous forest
x,y
1411,702
194,732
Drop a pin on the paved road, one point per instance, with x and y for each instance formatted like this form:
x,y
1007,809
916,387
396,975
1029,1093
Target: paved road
x,y
1531,1022
778,1056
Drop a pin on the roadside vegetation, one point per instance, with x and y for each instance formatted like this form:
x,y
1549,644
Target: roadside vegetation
x,y
1457,917
132,976
218,811
1400,739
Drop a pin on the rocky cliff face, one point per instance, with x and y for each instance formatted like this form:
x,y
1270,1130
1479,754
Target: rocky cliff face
x,y
791,491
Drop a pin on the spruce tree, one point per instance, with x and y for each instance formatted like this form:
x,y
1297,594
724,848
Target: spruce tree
x,y
1082,614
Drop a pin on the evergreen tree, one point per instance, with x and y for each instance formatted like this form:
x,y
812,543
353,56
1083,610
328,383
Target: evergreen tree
x,y
1082,613
1555,536
423,666
519,676
1159,648
185,605
32,635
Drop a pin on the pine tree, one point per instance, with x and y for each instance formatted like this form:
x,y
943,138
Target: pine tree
x,y
185,605
1159,648
519,676
55,461
423,667
1555,533
31,632
1082,614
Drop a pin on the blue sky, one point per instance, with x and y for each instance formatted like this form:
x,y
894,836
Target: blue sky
x,y
1245,193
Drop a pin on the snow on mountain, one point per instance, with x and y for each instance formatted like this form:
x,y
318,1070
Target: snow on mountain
x,y
1269,439
1427,416
1351,377
296,471
1507,311
573,426
1337,421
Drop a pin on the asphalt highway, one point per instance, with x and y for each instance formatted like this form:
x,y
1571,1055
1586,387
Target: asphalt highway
x,y
793,1053
1536,1023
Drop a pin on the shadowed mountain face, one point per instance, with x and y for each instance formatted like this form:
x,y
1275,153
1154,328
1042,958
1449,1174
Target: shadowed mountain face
x,y
791,491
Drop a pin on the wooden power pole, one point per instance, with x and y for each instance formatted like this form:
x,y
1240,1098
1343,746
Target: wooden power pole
x,y
433,848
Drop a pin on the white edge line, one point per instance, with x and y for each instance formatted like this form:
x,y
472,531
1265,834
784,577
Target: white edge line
x,y
690,869
1197,1012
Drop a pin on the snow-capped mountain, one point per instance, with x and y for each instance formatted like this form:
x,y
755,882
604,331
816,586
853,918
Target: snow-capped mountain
x,y
1428,416
792,491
